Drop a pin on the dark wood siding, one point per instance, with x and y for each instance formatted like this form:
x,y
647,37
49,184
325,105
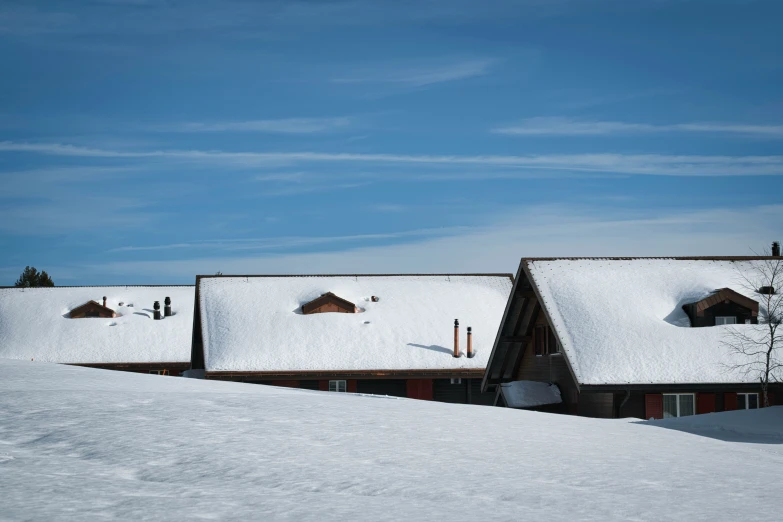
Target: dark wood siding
x,y
393,387
594,404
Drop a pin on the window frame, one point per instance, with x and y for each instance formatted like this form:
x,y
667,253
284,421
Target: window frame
x,y
677,395
723,318
746,396
337,385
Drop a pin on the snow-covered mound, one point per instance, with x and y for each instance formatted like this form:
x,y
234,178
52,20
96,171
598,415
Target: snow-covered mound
x,y
256,324
622,322
35,324
85,444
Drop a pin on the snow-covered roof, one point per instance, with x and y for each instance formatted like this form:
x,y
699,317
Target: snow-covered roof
x,y
529,394
621,321
35,324
255,324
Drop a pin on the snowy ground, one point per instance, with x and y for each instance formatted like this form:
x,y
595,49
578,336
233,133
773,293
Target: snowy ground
x,y
85,444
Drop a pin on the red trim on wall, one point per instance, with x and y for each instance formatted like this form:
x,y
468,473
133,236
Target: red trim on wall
x,y
419,389
323,385
653,406
705,403
351,385
729,401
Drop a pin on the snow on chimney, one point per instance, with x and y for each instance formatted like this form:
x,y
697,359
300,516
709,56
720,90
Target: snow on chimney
x,y
456,337
167,307
776,249
470,343
156,307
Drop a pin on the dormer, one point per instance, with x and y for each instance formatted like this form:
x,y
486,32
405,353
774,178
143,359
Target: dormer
x,y
329,302
92,309
723,306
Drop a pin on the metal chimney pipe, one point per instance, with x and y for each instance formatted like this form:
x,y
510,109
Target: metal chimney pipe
x,y
775,249
167,307
156,306
456,337
104,301
470,343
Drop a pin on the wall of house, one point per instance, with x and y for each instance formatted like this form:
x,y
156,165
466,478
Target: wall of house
x,y
592,404
716,400
173,369
721,309
552,368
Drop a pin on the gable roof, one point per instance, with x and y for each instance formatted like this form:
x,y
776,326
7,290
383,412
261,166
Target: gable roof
x,y
254,323
35,324
722,295
328,297
620,321
91,304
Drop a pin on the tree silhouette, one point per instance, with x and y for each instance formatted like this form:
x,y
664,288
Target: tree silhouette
x,y
33,278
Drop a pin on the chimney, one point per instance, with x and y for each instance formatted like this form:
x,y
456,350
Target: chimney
x,y
776,249
167,307
156,306
104,301
456,337
470,343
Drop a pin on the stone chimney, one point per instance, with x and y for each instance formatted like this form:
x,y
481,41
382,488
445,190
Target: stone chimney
x,y
167,307
470,343
156,307
456,337
776,249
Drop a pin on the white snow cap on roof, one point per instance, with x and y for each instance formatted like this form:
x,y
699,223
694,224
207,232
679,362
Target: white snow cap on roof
x,y
622,322
35,324
529,394
256,323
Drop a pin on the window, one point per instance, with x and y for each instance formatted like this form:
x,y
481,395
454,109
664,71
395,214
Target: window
x,y
455,380
552,346
719,320
338,386
159,372
678,404
540,340
747,401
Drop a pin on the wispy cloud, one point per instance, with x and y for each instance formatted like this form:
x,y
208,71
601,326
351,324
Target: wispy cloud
x,y
289,242
278,126
559,126
547,231
629,164
419,76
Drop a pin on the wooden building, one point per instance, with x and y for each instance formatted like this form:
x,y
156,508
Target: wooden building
x,y
376,334
108,327
630,337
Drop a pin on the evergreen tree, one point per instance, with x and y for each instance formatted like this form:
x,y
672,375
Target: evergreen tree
x,y
32,278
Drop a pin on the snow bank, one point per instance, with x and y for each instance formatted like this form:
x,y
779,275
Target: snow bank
x,y
256,324
621,321
34,324
528,394
86,444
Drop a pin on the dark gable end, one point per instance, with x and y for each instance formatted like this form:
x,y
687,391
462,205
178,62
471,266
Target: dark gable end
x,y
329,302
722,302
92,309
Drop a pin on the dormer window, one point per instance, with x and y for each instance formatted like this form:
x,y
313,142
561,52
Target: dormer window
x,y
723,306
92,309
329,302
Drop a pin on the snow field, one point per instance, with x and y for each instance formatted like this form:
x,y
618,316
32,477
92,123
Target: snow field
x,y
86,444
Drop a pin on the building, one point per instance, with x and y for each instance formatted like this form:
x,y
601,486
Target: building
x,y
377,334
631,337
111,327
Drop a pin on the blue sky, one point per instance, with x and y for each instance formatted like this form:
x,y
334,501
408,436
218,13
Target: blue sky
x,y
148,141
